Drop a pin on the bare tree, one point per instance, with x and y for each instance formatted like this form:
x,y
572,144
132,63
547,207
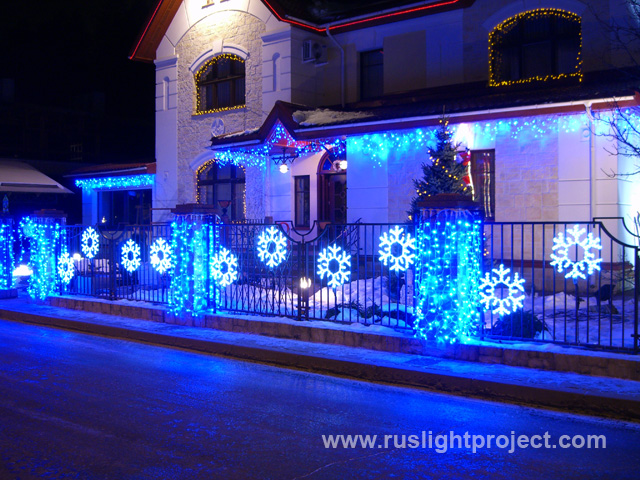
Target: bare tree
x,y
622,123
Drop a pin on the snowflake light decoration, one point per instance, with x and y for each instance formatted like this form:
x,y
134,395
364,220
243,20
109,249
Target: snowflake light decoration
x,y
66,268
335,264
272,247
90,242
224,267
130,256
397,249
160,255
515,294
561,249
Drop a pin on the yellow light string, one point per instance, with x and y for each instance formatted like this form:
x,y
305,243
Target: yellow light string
x,y
497,33
201,72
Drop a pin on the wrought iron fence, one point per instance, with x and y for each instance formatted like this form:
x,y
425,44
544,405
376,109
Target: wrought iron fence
x,y
117,264
575,283
569,283
336,275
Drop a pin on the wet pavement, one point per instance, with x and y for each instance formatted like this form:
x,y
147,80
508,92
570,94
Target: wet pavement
x,y
81,406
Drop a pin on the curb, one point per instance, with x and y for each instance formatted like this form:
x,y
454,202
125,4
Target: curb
x,y
560,399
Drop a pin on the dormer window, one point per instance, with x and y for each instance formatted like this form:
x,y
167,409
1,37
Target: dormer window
x,y
220,84
538,45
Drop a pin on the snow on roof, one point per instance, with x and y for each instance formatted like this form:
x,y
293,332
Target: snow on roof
x,y
18,176
323,116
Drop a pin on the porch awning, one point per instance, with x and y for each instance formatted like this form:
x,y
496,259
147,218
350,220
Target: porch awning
x,y
18,176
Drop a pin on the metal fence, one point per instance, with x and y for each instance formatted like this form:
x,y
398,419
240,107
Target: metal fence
x,y
367,291
597,308
345,273
101,270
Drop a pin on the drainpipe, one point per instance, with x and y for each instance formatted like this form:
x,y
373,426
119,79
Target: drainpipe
x,y
341,65
592,160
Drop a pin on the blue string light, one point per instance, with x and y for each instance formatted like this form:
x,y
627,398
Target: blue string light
x,y
46,240
448,271
116,183
189,282
6,254
279,137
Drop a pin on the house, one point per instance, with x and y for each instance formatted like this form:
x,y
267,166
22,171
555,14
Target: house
x,y
323,111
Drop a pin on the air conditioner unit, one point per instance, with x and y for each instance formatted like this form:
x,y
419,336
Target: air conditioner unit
x,y
313,51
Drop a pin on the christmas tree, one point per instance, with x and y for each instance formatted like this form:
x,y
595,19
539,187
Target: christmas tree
x,y
445,174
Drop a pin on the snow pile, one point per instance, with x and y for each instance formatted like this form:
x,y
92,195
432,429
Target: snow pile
x,y
322,116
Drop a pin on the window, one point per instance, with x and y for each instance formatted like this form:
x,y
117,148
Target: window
x,y
132,207
371,74
483,181
223,186
302,201
539,45
220,84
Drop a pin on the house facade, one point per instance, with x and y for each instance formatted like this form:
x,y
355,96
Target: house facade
x,y
324,112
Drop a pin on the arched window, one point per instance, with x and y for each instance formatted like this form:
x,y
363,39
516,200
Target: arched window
x,y
222,186
538,45
220,84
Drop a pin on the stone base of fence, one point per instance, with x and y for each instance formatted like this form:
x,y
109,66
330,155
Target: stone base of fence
x,y
8,293
564,359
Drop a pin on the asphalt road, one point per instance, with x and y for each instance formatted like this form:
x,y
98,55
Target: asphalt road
x,y
80,406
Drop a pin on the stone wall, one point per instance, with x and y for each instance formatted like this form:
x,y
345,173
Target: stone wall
x,y
235,28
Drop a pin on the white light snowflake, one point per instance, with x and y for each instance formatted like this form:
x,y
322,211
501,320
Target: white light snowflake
x,y
515,294
397,249
66,268
563,245
272,247
90,242
224,267
130,256
335,264
160,255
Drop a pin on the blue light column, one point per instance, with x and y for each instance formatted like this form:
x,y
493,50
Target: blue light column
x,y
448,271
43,242
193,240
7,263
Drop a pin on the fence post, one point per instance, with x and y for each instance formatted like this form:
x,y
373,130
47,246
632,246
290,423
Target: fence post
x,y
6,258
448,271
45,232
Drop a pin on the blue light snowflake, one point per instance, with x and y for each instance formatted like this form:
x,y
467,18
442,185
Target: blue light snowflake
x,y
224,267
90,242
130,256
335,264
562,246
160,255
272,247
66,268
397,249
503,304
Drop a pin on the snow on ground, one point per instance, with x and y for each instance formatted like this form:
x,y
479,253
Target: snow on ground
x,y
367,304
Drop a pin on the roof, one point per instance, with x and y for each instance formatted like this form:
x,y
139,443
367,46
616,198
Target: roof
x,y
114,169
18,176
466,102
318,16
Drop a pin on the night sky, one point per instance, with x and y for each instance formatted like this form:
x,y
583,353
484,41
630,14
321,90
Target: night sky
x,y
74,54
